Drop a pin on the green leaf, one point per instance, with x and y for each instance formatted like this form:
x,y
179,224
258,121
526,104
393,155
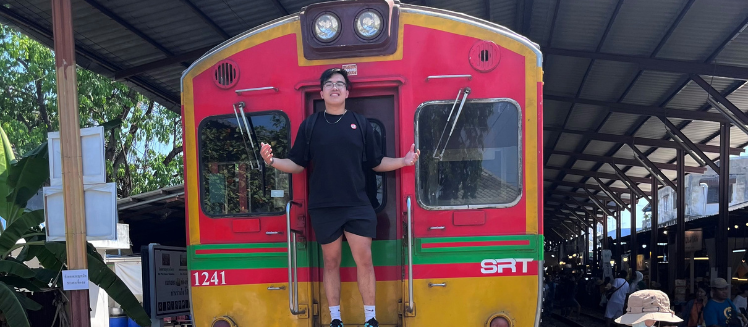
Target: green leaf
x,y
27,303
48,259
19,282
14,313
27,176
17,269
114,123
46,276
17,228
91,250
101,275
6,159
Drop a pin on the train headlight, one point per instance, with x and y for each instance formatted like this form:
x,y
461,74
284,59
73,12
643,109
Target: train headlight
x,y
326,27
368,24
500,320
224,321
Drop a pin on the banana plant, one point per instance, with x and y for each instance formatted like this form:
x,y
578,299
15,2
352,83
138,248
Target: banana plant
x,y
20,180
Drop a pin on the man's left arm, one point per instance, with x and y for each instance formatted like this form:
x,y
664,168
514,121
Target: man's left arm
x,y
390,164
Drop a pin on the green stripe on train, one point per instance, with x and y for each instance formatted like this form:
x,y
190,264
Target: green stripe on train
x,y
385,253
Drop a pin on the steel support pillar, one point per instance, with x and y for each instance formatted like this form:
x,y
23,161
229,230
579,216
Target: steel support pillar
x,y
724,202
586,247
680,207
606,246
653,232
633,244
72,163
619,246
594,244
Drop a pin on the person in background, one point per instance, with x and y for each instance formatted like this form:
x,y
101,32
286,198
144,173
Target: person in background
x,y
646,308
637,284
741,300
604,286
693,311
569,296
719,310
619,288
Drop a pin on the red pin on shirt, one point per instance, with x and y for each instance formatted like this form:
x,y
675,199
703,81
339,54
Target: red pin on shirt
x,y
353,126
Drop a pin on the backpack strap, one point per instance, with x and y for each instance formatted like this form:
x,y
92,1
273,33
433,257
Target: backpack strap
x,y
308,133
362,126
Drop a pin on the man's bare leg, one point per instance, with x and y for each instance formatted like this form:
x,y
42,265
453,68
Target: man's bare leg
x,y
361,250
331,254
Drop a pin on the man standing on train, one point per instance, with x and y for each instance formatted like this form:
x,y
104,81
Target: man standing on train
x,y
340,146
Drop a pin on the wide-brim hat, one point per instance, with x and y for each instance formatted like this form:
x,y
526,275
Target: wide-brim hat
x,y
719,283
648,305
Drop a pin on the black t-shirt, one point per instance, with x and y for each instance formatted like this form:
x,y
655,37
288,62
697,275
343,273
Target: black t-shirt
x,y
336,164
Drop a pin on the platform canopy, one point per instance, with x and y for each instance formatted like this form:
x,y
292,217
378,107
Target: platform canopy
x,y
617,73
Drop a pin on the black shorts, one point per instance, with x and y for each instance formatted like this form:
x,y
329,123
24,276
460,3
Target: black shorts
x,y
329,223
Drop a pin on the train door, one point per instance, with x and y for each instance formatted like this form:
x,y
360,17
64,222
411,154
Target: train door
x,y
379,108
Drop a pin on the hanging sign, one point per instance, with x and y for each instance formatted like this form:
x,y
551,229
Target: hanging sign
x,y
693,240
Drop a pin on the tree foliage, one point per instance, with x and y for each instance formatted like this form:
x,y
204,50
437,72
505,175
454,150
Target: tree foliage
x,y
143,139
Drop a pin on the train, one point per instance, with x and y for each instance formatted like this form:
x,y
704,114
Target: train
x,y
459,234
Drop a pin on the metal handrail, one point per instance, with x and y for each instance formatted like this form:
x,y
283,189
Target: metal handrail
x,y
293,278
469,77
239,92
410,257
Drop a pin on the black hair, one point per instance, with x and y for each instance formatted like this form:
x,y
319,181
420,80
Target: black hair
x,y
328,73
743,288
622,274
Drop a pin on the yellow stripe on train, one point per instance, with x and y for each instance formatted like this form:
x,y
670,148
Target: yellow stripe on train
x,y
460,302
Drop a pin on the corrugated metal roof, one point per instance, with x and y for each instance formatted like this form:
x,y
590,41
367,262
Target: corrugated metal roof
x,y
584,116
618,123
707,21
581,23
563,75
640,25
607,80
650,87
685,33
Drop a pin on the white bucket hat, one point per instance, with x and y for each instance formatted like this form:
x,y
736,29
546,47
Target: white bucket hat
x,y
648,305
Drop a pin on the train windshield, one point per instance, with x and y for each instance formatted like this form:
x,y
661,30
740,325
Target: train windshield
x,y
234,181
469,160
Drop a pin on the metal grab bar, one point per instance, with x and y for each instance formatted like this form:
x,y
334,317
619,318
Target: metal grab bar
x,y
293,278
437,227
438,285
410,257
257,89
469,77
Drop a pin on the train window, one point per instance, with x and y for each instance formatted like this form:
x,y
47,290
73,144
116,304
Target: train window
x,y
375,182
470,160
234,180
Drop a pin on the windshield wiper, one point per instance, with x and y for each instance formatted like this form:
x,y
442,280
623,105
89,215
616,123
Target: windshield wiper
x,y
250,133
241,130
464,93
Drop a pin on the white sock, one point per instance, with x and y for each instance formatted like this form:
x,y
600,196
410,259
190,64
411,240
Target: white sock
x,y
335,313
369,312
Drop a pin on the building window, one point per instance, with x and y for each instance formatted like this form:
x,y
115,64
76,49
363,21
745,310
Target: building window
x,y
712,193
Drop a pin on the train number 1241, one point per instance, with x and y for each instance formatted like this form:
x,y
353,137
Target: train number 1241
x,y
217,278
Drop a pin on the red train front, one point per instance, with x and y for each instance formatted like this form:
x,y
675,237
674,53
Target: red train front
x,y
459,238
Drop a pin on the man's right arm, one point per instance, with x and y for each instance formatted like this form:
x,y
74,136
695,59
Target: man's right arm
x,y
287,166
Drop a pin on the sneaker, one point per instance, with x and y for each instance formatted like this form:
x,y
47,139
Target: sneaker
x,y
338,323
371,323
